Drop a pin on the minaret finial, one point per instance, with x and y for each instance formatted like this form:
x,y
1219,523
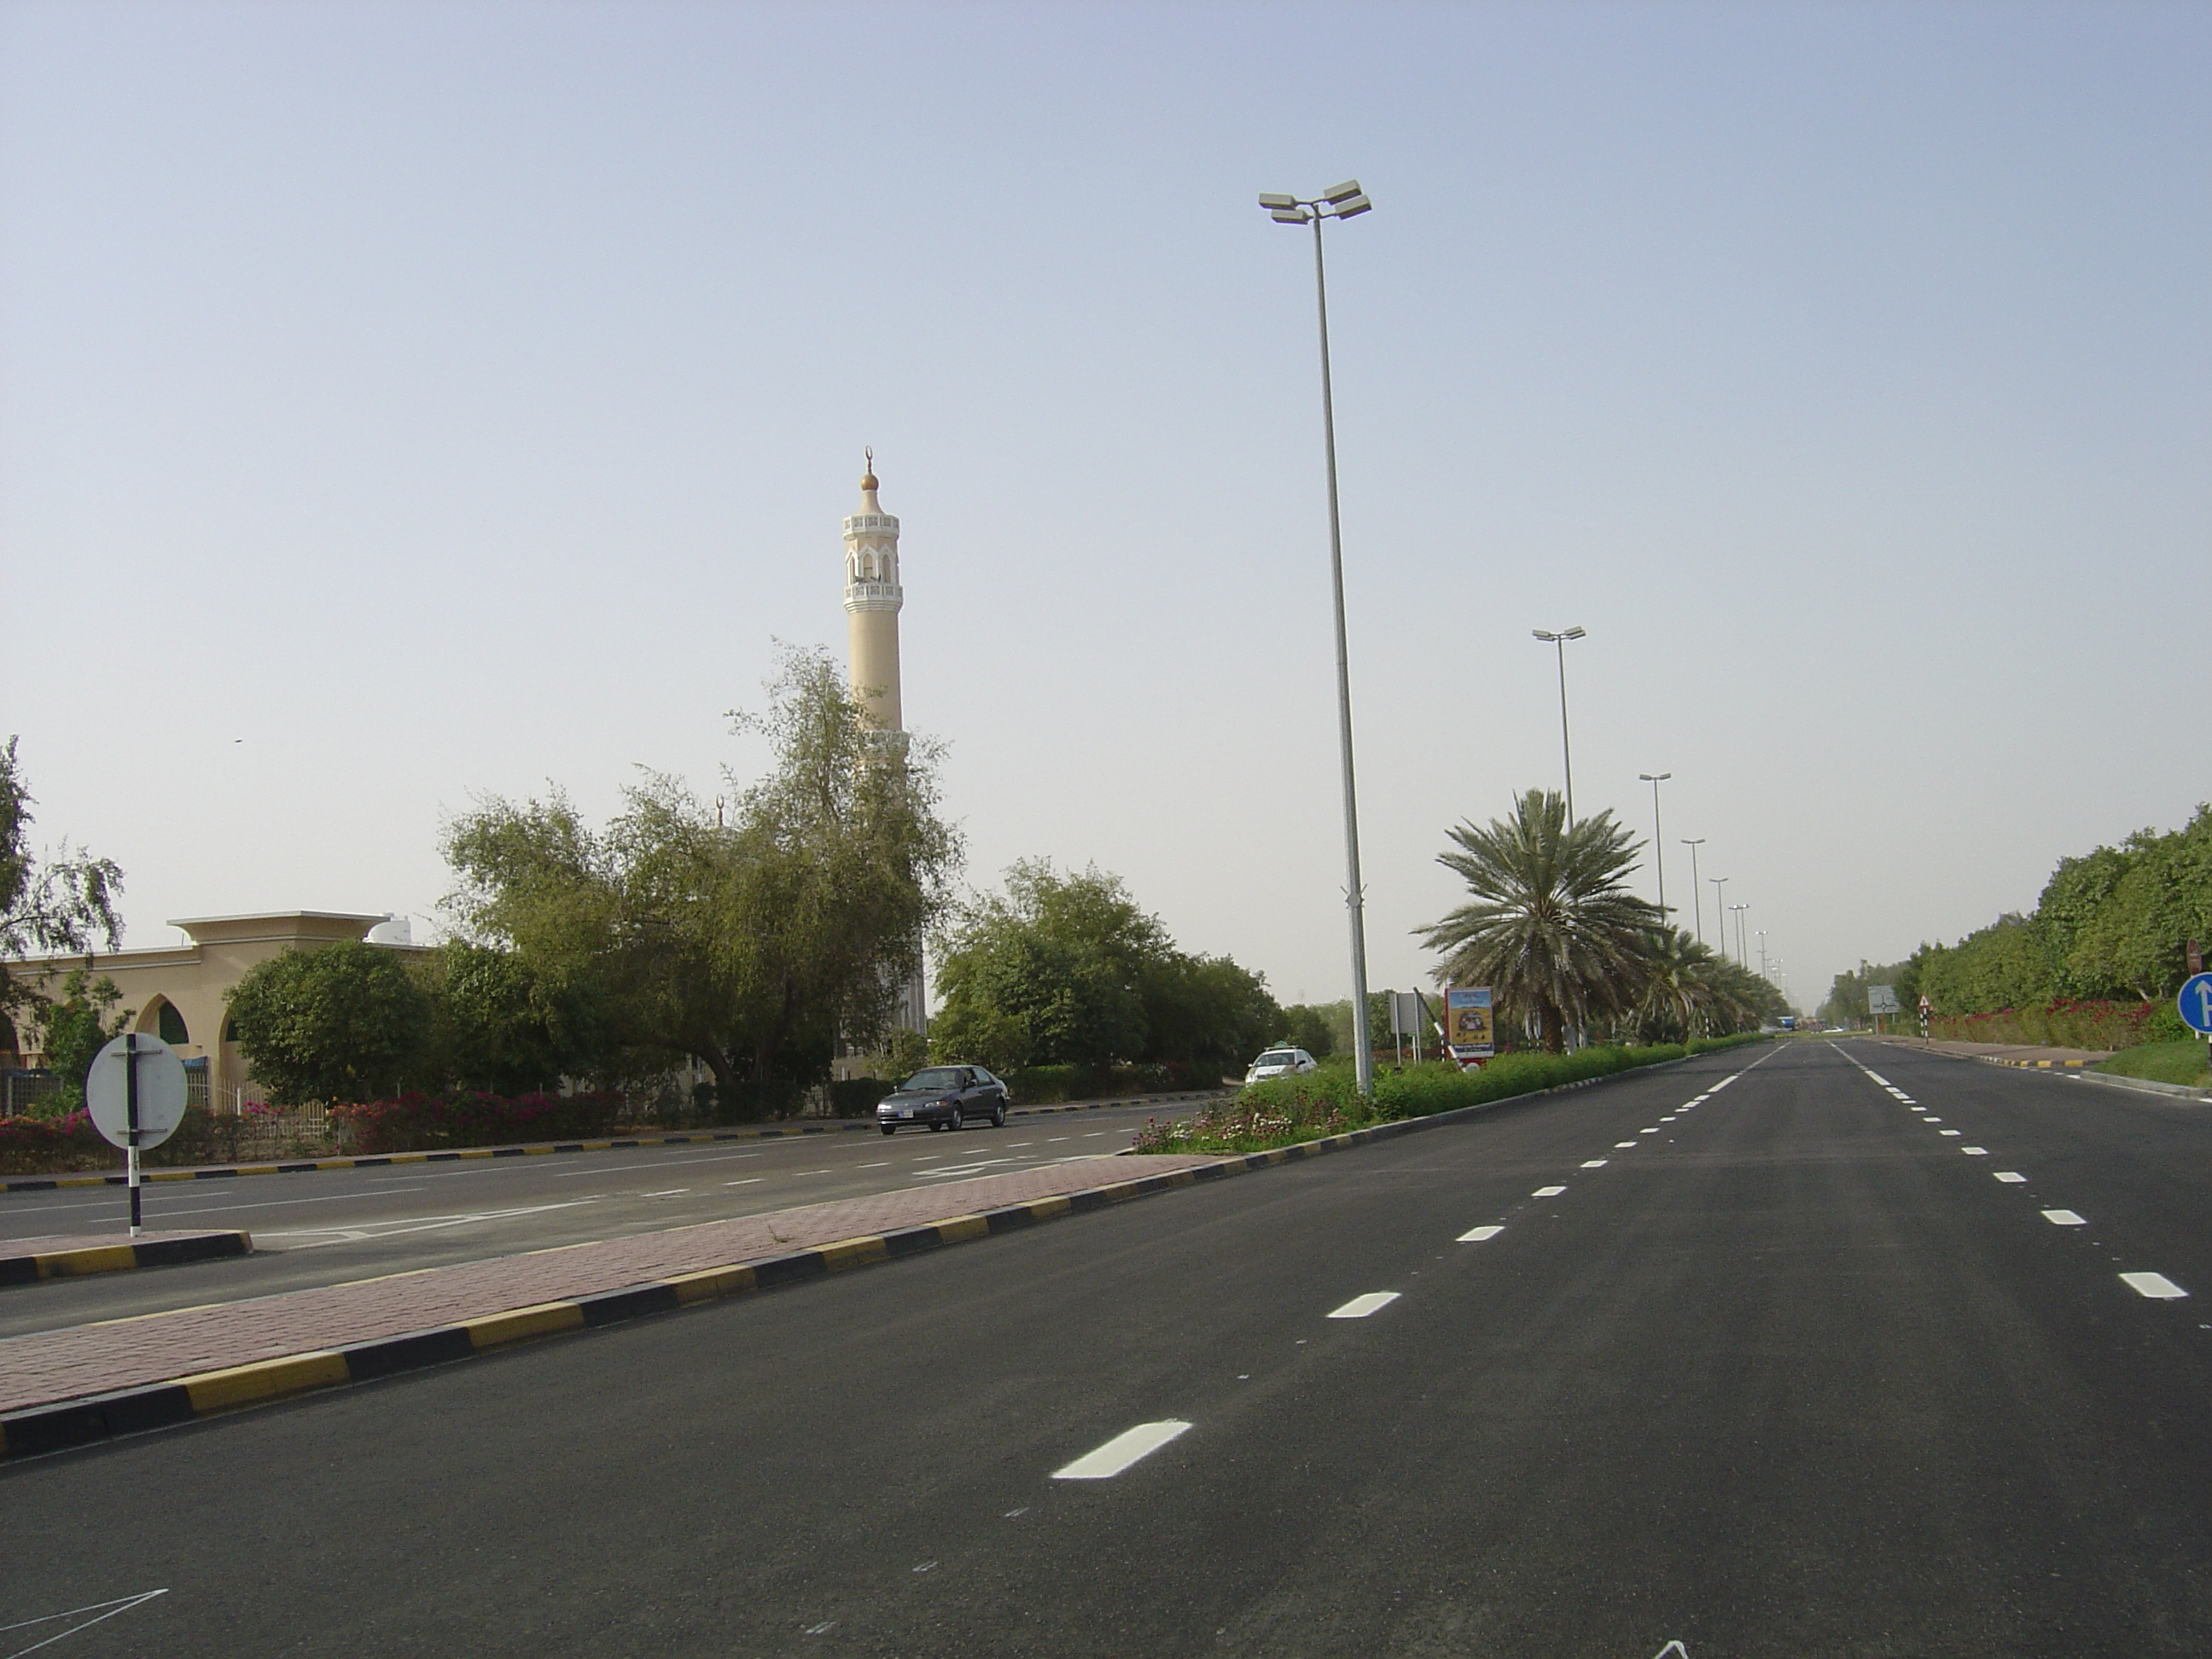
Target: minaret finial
x,y
868,473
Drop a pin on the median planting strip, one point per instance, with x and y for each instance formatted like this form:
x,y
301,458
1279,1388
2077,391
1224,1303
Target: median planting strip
x,y
88,1383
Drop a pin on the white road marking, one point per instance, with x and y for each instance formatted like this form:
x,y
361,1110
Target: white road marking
x,y
1624,1145
1360,1306
1944,1132
1124,1449
749,1181
643,1163
1095,1134
2010,1177
1548,1192
1975,1151
1935,1120
1646,1132
1050,1140
1594,1163
369,1231
2064,1218
872,1166
1478,1235
1877,1077
2157,1286
1032,1143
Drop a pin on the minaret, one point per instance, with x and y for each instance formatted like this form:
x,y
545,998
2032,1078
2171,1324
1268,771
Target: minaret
x,y
872,598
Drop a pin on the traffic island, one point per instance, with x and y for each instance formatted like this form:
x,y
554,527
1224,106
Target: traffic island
x,y
22,1262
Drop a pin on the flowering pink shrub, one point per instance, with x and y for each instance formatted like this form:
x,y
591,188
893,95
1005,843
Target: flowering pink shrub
x,y
46,1145
2060,1023
415,1123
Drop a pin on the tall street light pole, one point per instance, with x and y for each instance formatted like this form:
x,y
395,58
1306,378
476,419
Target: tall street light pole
x,y
1720,915
1344,201
1696,893
1567,750
1742,955
1658,843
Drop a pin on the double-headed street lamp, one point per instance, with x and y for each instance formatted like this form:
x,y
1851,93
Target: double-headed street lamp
x,y
1566,753
1344,201
1696,893
1742,955
1658,845
1720,915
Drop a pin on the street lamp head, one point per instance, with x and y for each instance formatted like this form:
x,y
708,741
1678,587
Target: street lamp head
x,y
1272,202
1686,842
1655,777
1354,208
1572,633
1291,216
1338,195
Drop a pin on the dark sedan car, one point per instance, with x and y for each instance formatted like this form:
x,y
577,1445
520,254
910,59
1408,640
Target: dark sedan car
x,y
944,1098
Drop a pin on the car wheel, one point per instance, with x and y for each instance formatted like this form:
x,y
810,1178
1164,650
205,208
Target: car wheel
x,y
998,1115
890,1130
955,1121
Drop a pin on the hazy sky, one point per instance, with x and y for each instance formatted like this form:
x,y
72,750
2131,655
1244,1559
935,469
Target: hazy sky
x,y
400,404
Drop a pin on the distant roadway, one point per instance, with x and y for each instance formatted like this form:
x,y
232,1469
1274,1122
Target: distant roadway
x,y
1864,1354
320,1227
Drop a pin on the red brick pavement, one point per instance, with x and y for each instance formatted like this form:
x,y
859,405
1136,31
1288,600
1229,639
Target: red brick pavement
x,y
84,1360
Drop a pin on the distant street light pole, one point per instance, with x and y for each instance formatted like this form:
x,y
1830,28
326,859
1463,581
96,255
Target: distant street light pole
x,y
1762,953
1566,751
1696,893
1720,915
1742,955
1345,201
1658,844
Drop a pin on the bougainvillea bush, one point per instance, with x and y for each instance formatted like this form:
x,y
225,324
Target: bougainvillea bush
x,y
415,1123
53,1146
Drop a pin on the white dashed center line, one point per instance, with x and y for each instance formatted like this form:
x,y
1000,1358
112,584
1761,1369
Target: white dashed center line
x,y
2010,1177
1624,1145
2157,1286
1945,1131
2064,1218
1594,1163
1975,1151
1124,1449
1477,1235
1548,1192
1360,1306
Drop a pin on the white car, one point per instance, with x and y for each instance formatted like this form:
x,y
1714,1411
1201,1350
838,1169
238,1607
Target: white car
x,y
1280,1062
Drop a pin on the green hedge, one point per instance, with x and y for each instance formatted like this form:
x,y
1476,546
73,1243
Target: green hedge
x,y
1282,1111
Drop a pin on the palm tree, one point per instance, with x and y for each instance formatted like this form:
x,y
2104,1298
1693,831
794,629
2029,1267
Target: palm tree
x,y
1551,930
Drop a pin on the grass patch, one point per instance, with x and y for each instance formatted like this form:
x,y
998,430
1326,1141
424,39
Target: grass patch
x,y
1284,1111
2162,1062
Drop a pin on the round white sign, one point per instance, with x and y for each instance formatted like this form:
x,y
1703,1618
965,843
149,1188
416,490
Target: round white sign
x,y
160,1090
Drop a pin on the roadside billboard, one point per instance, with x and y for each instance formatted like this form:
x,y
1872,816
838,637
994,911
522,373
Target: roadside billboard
x,y
1470,1032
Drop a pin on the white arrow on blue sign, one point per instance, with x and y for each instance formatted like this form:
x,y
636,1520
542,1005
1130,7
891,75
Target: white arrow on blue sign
x,y
2196,1003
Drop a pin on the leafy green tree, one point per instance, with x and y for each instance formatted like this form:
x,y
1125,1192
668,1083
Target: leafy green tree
x,y
335,1022
1306,1026
60,903
1553,926
499,1026
750,941
2132,939
2007,964
1051,972
1207,1011
73,1027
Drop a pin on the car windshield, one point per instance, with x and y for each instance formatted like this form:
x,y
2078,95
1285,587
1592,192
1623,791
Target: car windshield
x,y
937,1077
1278,1057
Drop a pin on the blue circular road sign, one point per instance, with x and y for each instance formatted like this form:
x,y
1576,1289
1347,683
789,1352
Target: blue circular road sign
x,y
2196,1003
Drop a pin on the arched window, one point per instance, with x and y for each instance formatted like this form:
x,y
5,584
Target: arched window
x,y
229,1029
174,1029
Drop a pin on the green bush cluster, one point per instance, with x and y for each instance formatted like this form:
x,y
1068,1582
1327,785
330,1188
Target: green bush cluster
x,y
1282,1111
2182,1061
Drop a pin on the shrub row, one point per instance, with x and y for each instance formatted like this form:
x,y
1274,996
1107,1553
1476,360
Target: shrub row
x,y
2064,1024
419,1124
1282,1111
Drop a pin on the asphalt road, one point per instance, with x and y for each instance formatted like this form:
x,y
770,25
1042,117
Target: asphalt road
x,y
1788,1372
327,1225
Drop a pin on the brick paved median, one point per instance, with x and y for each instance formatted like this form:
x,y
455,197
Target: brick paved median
x,y
47,1366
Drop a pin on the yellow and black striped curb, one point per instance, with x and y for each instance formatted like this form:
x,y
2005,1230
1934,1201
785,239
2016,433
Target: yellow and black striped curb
x,y
117,1258
117,1178
2036,1065
90,1420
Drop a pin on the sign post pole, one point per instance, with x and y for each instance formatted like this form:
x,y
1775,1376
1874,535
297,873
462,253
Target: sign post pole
x,y
131,1119
2195,1003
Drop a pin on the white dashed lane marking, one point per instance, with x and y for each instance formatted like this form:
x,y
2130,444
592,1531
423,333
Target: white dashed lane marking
x,y
1360,1306
1124,1449
1477,1235
1594,1163
2064,1218
1624,1145
2157,1286
1548,1192
1975,1151
2010,1177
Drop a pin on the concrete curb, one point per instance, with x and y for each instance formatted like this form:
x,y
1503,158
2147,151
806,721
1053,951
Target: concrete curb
x,y
2083,1070
117,1258
91,1419
535,1149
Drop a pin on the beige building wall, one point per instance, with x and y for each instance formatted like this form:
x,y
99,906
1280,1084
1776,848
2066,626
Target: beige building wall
x,y
191,983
